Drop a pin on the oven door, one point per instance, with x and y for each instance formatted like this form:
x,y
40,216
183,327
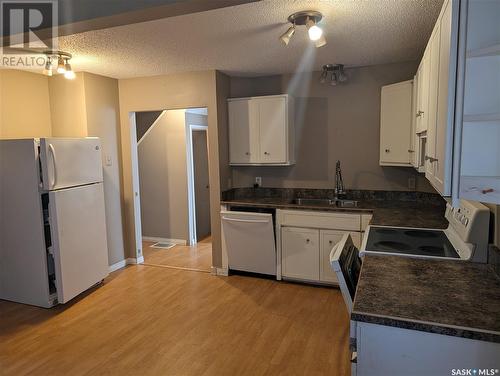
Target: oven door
x,y
345,261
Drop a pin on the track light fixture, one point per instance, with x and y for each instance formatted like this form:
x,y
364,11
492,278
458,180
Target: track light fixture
x,y
336,72
61,61
310,20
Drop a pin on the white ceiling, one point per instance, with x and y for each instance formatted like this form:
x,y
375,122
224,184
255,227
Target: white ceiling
x,y
243,40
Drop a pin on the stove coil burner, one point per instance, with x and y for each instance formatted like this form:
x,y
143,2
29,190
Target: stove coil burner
x,y
421,234
392,246
385,231
430,249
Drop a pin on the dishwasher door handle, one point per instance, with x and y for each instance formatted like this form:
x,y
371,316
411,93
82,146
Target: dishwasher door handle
x,y
245,220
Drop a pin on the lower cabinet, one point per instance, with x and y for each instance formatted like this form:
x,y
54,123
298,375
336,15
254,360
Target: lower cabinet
x,y
300,253
305,251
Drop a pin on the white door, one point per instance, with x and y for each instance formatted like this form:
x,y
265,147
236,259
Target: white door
x,y
69,162
300,253
329,238
272,129
79,245
248,240
243,132
395,123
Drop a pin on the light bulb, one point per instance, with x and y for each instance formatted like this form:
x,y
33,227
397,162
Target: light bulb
x,y
320,42
313,30
60,65
70,75
334,82
48,67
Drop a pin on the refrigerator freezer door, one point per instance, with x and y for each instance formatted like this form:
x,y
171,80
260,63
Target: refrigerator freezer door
x,y
79,242
69,162
248,239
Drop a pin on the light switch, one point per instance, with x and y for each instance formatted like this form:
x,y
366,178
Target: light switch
x,y
107,160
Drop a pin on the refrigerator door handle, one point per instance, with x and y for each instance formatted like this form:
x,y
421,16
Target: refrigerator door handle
x,y
54,164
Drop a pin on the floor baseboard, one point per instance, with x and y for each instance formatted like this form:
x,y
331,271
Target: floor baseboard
x,y
164,240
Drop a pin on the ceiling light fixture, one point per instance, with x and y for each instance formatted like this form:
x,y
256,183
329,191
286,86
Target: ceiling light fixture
x,y
336,72
63,66
310,20
287,35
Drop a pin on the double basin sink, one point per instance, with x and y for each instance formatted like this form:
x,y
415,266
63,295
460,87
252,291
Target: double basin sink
x,y
340,203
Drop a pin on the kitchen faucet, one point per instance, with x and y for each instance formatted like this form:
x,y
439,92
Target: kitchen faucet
x,y
339,183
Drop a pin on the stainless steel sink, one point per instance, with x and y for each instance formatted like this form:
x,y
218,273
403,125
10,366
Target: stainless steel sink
x,y
314,201
326,202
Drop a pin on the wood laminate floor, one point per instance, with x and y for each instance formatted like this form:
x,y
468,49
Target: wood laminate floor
x,y
148,320
197,257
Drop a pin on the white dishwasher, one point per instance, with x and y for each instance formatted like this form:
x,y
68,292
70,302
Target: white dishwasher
x,y
248,239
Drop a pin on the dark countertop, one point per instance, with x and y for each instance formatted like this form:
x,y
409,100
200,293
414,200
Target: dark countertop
x,y
388,212
453,298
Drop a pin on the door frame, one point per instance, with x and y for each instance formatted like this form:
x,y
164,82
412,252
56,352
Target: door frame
x,y
190,128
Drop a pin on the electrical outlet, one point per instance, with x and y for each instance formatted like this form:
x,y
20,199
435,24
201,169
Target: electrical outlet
x,y
258,181
411,183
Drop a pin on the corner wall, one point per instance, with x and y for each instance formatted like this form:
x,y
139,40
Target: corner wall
x,y
176,91
24,105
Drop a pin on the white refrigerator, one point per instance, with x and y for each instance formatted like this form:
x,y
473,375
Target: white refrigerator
x,y
53,242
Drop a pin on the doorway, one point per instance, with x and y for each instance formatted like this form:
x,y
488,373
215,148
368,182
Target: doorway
x,y
172,164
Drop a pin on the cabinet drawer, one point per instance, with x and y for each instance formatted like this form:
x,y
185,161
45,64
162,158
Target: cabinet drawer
x,y
321,220
300,253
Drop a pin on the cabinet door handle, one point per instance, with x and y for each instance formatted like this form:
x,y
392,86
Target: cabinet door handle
x,y
247,153
266,153
387,150
330,242
430,159
487,190
308,240
411,151
419,113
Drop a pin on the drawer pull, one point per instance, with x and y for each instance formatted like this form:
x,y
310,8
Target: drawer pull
x,y
308,240
487,190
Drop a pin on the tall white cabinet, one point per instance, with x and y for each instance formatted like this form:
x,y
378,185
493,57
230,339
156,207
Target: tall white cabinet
x,y
261,130
396,147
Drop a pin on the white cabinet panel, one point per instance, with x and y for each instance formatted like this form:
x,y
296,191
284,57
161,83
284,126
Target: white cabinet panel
x,y
396,124
261,130
243,132
273,129
300,253
423,92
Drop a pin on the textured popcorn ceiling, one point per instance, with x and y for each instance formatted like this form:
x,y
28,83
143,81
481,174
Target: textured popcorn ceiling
x,y
243,40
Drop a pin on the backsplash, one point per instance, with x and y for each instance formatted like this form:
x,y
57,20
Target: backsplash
x,y
291,193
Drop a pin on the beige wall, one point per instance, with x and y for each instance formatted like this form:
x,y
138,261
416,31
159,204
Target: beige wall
x,y
163,178
24,105
332,123
67,106
176,91
103,121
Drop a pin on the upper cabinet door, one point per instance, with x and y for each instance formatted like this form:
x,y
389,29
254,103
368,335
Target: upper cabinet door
x,y
273,129
261,131
423,92
434,52
243,132
396,124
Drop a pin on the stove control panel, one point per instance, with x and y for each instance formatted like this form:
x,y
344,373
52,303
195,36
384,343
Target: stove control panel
x,y
470,220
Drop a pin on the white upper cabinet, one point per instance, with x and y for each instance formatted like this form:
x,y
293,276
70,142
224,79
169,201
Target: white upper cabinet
x,y
423,93
476,169
261,130
396,124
